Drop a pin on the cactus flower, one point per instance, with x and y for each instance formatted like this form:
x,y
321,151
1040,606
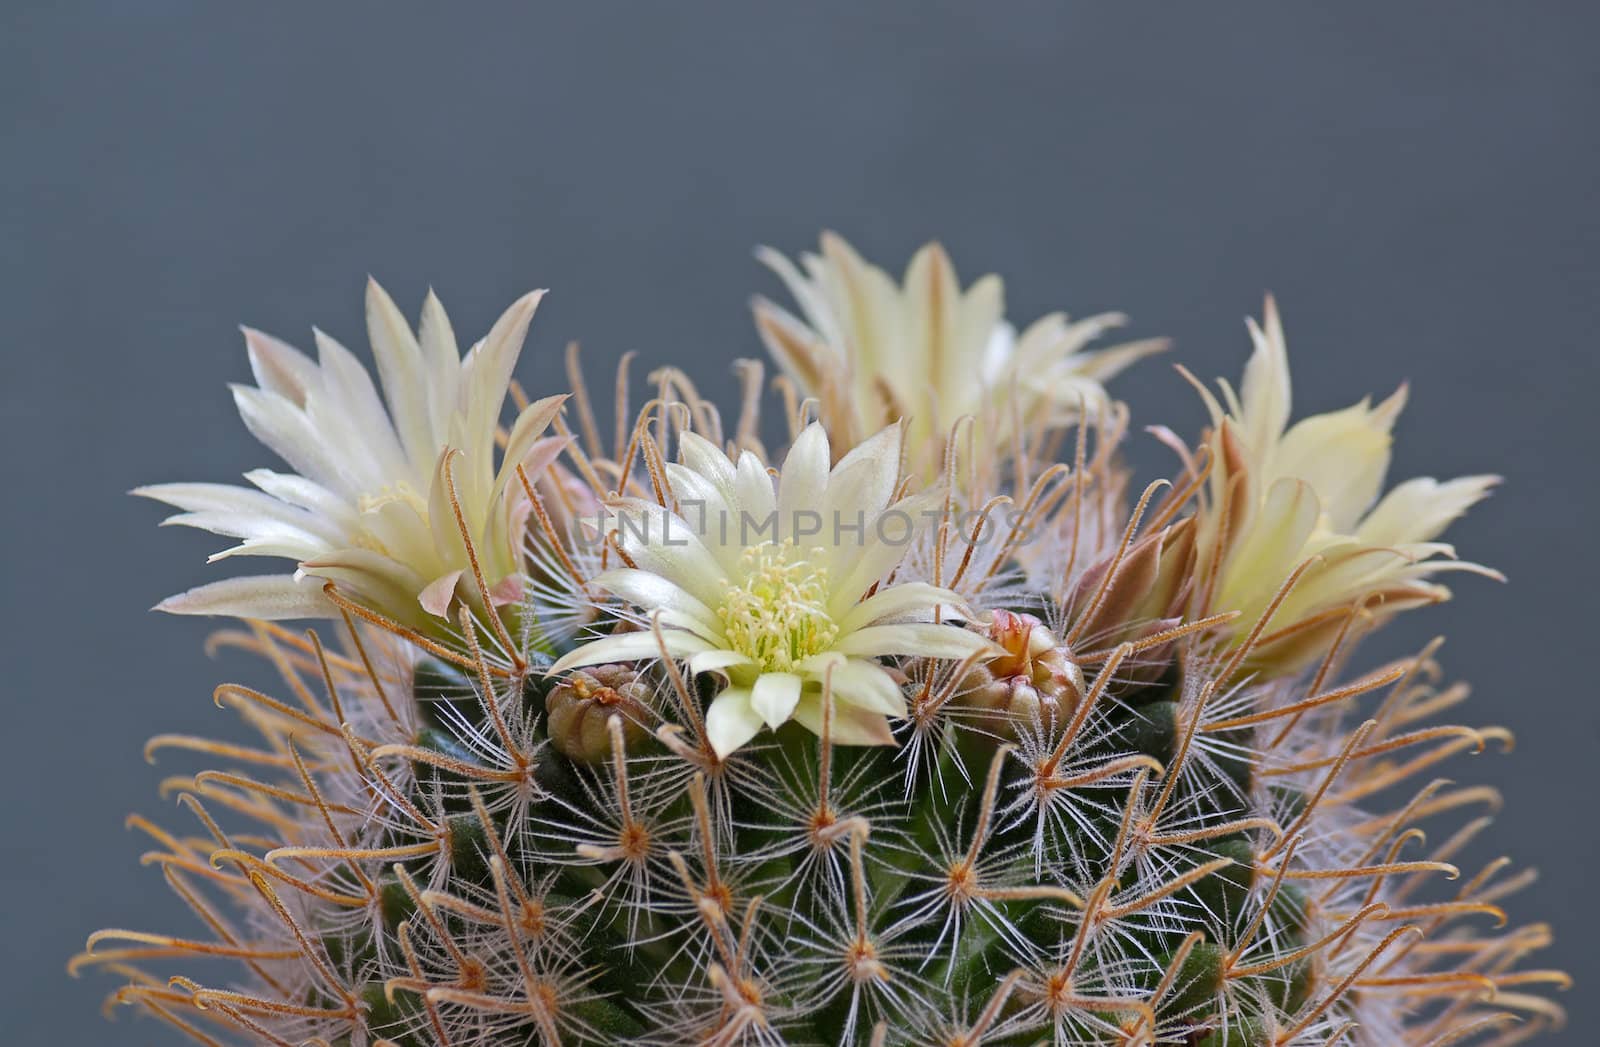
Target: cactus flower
x,y
766,583
1084,803
1283,495
385,493
874,351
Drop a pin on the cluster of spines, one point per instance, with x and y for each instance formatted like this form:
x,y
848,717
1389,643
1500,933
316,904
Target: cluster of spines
x,y
1176,856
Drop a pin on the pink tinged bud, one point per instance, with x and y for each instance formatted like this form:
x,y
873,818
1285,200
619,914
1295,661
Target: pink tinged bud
x,y
1033,680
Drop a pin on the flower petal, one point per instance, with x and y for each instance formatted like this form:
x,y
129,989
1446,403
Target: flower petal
x,y
774,697
308,495
283,427
731,721
848,725
888,539
1343,455
278,366
899,601
1420,509
758,506
378,579
528,427
867,685
711,661
1276,541
864,480
442,359
486,370
705,504
349,415
400,369
653,592
912,639
630,647
1264,392
271,597
704,457
436,595
803,482
662,542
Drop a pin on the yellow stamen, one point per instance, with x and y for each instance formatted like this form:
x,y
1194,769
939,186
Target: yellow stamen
x,y
779,616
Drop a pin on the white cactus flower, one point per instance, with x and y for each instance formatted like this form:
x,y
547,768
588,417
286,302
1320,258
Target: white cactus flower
x,y
767,583
1282,495
874,351
377,483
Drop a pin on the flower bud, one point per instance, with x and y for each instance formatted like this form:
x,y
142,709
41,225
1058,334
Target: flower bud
x,y
579,706
1032,680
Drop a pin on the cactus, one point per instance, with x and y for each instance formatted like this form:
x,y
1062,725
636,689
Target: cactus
x,y
1050,770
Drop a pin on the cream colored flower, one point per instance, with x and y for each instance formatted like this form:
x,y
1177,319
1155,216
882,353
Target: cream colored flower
x,y
1281,495
925,351
766,583
368,504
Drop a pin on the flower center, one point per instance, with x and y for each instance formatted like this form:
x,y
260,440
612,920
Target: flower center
x,y
779,615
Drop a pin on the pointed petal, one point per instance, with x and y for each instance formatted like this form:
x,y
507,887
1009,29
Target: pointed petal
x,y
689,485
705,505
442,359
436,595
1343,455
1276,542
912,639
272,597
651,591
307,494
630,647
798,350
488,368
281,522
888,539
1421,509
758,506
528,427
661,542
897,601
279,367
401,370
803,481
864,479
390,583
237,512
704,457
350,415
1264,392
286,431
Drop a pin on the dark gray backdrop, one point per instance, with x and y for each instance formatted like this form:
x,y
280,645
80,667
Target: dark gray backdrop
x,y
1416,183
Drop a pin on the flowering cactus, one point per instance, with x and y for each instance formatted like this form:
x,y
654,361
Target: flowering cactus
x,y
925,731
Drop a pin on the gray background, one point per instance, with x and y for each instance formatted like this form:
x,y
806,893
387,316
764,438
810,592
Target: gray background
x,y
1416,183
